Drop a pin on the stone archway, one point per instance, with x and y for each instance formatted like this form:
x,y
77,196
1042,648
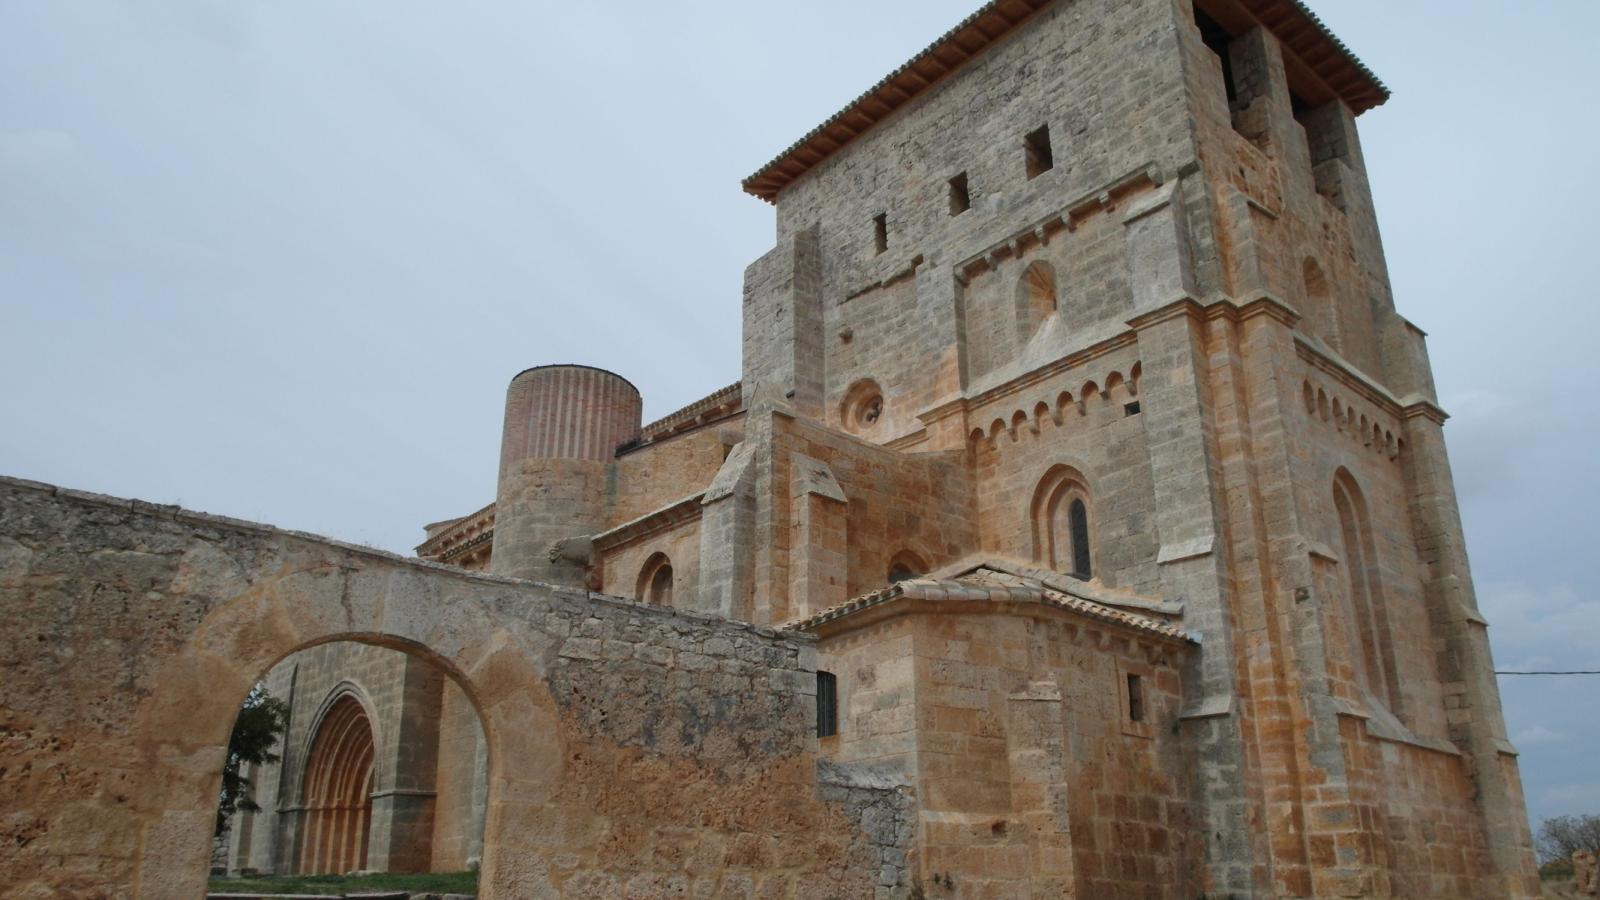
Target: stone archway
x,y
139,630
382,766
337,792
308,593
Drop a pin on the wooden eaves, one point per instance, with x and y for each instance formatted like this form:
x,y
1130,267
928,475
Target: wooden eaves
x,y
1315,56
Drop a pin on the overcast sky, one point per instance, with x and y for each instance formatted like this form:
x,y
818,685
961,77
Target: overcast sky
x,y
279,260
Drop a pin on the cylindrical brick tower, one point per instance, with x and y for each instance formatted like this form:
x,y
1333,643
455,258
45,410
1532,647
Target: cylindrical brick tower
x,y
563,425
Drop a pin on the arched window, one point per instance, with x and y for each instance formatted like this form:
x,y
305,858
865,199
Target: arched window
x,y
1036,297
1373,653
905,566
1062,539
1078,528
337,791
655,581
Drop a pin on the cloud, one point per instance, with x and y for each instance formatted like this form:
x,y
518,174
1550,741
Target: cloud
x,y
1484,436
1571,798
1536,734
1540,627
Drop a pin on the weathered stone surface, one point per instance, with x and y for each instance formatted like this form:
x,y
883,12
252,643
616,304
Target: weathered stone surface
x,y
1586,873
605,772
1107,299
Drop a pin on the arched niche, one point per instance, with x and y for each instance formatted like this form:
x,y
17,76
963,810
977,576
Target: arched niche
x,y
655,581
906,565
1373,656
1060,514
1036,298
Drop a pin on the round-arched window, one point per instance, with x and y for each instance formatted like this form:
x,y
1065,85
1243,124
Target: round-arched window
x,y
1062,539
655,581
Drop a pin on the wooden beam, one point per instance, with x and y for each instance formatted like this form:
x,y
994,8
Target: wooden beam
x,y
919,82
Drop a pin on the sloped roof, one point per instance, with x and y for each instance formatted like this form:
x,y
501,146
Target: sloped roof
x,y
1294,24
985,584
1311,43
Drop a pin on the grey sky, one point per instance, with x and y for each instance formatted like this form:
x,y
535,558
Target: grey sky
x,y
279,260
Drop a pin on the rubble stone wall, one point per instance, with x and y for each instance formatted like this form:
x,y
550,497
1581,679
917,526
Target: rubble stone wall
x,y
632,749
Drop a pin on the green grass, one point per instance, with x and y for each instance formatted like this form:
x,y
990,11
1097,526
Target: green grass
x,y
441,883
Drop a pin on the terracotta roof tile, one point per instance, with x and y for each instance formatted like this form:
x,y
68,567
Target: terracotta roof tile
x,y
1291,20
983,584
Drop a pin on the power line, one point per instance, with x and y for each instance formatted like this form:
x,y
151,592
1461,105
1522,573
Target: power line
x,y
1580,672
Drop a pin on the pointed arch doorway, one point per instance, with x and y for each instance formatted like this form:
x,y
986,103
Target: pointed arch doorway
x,y
338,791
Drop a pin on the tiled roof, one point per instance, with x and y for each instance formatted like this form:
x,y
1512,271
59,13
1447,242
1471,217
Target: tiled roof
x,y
970,38
1294,24
983,584
716,405
1312,43
674,513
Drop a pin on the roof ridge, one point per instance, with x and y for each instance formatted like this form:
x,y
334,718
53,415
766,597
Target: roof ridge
x,y
926,69
934,588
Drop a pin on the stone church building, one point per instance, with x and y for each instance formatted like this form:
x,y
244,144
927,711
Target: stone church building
x,y
1079,446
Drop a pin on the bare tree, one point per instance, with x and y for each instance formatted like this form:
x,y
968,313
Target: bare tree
x,y
1563,836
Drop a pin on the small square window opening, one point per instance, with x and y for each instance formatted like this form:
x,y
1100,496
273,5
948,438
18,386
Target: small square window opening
x,y
1036,152
960,199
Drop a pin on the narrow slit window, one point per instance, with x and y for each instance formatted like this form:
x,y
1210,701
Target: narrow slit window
x,y
827,704
1130,409
880,232
1078,528
1135,699
960,199
1036,152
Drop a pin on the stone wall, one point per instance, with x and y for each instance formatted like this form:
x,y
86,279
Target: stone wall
x,y
659,473
1013,723
632,748
623,566
1101,77
401,694
1334,384
1082,418
428,778
462,784
838,510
